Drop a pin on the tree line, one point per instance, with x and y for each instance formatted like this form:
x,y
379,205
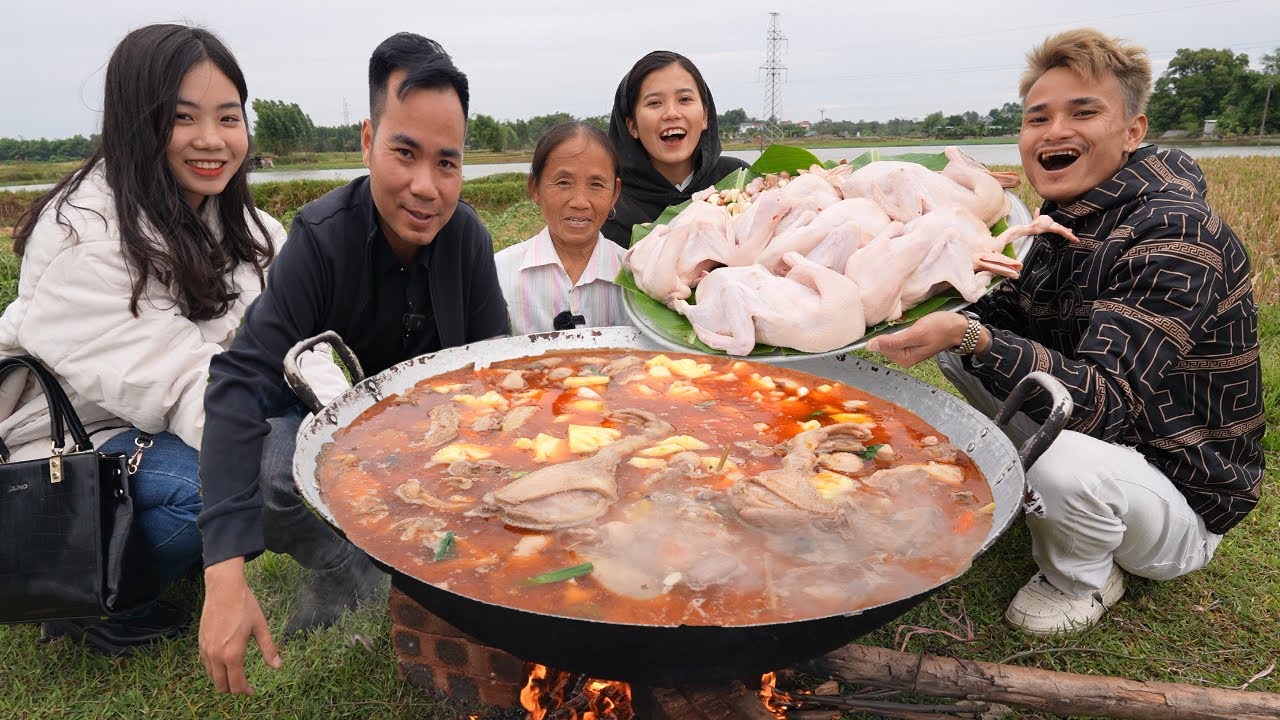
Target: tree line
x,y
1217,85
1198,85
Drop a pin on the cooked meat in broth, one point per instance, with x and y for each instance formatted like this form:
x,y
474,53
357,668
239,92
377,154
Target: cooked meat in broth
x,y
669,489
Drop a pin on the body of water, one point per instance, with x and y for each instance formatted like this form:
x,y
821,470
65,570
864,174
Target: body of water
x,y
1006,154
988,154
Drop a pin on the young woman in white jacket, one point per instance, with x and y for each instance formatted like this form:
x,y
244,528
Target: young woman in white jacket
x,y
136,270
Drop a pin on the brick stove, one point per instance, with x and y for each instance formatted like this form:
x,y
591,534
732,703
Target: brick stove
x,y
433,655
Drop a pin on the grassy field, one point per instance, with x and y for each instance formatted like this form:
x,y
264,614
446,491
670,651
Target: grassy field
x,y
1219,627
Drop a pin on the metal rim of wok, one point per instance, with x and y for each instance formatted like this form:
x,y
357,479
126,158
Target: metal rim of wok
x,y
663,654
1018,215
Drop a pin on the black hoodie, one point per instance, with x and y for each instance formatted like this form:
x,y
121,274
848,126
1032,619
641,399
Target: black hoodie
x,y
645,192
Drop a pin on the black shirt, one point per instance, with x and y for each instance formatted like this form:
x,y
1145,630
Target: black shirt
x,y
405,291
336,272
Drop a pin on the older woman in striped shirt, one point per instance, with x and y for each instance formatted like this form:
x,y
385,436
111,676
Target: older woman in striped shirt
x,y
563,277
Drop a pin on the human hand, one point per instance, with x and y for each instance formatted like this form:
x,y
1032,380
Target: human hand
x,y
926,337
231,615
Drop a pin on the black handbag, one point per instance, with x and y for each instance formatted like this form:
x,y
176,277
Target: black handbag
x,y
68,547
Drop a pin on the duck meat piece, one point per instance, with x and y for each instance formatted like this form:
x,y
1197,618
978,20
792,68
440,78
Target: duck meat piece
x,y
787,497
414,527
513,380
476,469
444,421
712,568
412,492
517,416
842,462
758,449
488,423
573,493
681,465
625,362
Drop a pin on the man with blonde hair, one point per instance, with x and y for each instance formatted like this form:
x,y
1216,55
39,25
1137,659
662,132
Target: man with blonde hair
x,y
1144,311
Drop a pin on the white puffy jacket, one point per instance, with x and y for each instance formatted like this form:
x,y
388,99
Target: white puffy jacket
x,y
72,313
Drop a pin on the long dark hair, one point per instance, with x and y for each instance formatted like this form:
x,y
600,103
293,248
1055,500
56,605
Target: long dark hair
x,y
163,235
657,60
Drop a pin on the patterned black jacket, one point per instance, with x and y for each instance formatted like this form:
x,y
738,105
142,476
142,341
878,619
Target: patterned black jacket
x,y
1151,323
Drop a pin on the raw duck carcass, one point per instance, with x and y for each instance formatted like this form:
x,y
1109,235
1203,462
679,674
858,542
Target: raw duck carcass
x,y
949,246
811,309
808,195
757,225
671,259
831,237
907,191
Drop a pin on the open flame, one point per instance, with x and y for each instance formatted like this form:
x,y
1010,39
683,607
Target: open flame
x,y
775,700
558,695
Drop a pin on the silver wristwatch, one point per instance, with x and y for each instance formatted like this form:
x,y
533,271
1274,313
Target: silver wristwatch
x,y
971,335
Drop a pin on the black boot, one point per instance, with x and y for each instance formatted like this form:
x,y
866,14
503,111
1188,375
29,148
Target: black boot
x,y
329,593
118,636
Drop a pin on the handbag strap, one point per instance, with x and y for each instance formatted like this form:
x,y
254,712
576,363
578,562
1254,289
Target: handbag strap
x,y
140,443
61,413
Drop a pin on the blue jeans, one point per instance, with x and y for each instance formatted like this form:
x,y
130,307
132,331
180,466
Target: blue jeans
x,y
166,497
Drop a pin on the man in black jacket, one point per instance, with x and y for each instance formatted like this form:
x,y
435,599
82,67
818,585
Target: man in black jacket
x,y
1147,317
397,267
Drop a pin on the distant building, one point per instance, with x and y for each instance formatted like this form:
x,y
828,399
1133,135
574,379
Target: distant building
x,y
1210,127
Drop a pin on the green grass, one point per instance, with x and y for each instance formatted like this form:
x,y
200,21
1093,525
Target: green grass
x,y
1217,627
32,172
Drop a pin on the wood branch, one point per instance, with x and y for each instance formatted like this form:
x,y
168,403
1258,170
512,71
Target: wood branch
x,y
712,701
1052,691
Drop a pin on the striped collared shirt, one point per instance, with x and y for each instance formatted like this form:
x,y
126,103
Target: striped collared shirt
x,y
537,287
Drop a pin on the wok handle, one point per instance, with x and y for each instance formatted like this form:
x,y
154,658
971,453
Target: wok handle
x,y
293,374
1059,414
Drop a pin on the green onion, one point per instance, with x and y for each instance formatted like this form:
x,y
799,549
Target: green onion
x,y
519,473
706,403
816,413
445,547
870,452
559,575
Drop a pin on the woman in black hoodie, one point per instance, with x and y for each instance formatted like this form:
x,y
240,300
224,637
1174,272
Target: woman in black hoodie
x,y
665,131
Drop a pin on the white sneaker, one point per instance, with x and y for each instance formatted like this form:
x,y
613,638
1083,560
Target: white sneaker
x,y
1042,609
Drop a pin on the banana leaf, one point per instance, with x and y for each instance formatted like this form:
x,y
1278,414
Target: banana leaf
x,y
676,328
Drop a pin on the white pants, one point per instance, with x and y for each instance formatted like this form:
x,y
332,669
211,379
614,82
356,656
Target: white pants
x,y
1097,503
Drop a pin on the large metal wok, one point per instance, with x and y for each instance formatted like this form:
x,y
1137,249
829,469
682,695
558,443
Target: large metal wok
x,y
668,654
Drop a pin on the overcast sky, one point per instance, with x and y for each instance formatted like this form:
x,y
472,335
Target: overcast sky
x,y
845,59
